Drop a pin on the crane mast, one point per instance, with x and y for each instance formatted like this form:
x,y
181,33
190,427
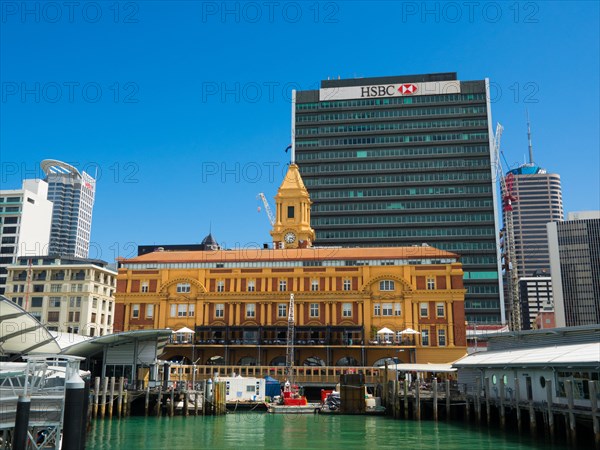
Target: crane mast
x,y
267,208
289,354
508,235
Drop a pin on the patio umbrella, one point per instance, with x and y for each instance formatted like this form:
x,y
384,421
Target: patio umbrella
x,y
409,331
184,330
385,331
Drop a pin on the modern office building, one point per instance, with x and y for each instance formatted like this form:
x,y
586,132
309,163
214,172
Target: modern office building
x,y
406,160
575,266
72,193
25,217
73,295
536,297
538,201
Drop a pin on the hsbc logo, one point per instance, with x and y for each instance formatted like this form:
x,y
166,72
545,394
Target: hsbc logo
x,y
377,91
407,89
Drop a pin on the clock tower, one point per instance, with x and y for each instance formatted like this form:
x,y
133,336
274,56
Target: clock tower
x,y
292,217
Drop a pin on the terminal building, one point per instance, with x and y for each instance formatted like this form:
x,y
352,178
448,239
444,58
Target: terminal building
x,y
405,160
352,306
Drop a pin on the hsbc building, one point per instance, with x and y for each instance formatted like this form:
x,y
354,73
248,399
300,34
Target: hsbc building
x,y
405,160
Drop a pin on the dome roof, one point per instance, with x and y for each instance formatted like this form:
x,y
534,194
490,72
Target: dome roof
x,y
209,242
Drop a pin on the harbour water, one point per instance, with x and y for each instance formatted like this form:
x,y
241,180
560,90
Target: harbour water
x,y
269,431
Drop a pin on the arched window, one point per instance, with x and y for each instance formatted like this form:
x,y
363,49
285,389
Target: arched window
x,y
278,361
313,361
247,361
347,361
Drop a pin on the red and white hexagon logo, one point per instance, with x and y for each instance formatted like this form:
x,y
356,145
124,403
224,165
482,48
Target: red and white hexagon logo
x,y
407,89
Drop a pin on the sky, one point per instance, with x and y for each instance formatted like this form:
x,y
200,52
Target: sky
x,y
183,109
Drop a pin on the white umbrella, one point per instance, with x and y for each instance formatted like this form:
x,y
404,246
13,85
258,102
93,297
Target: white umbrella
x,y
385,331
184,330
409,331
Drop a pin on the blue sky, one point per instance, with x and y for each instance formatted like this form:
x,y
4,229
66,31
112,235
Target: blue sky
x,y
184,109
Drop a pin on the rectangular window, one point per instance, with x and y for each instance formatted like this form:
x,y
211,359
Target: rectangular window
x,y
250,310
75,302
314,310
282,285
347,310
386,285
183,288
145,286
220,286
397,309
251,285
94,317
220,310
387,309
135,312
54,302
430,283
95,302
149,311
281,310
181,310
36,302
53,316
55,287
191,310
376,309
442,338
425,337
290,212
347,284
440,309
314,285
424,309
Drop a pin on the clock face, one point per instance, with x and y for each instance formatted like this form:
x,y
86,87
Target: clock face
x,y
289,237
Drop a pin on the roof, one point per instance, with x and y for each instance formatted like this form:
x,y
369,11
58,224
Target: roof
x,y
579,355
209,241
293,181
299,254
435,368
50,166
21,333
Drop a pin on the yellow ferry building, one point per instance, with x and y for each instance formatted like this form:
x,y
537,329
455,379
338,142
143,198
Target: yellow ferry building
x,y
353,306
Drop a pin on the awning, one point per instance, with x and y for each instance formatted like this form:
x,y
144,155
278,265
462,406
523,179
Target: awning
x,y
434,368
185,330
385,331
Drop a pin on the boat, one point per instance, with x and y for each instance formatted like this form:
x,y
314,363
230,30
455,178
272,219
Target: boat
x,y
331,403
292,402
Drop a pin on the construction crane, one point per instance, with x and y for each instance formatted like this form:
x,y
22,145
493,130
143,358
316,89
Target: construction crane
x,y
289,354
508,236
267,208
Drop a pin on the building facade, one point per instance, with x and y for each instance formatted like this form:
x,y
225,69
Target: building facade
x,y
536,297
575,261
401,161
237,302
71,295
72,193
25,218
538,201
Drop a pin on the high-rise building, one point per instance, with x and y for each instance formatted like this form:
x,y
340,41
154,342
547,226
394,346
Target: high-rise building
x,y
25,217
575,261
405,160
538,201
536,297
72,193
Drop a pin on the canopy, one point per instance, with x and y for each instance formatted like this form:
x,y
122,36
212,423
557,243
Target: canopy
x,y
409,331
434,368
385,331
185,330
272,386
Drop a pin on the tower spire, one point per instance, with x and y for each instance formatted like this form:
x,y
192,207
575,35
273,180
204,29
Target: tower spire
x,y
529,138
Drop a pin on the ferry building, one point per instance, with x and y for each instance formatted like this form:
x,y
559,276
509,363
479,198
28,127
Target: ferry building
x,y
353,306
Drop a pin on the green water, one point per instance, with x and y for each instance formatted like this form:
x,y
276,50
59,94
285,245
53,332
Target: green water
x,y
261,430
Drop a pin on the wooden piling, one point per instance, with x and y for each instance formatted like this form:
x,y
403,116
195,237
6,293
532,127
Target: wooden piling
x,y
172,404
196,395
532,418
103,405
549,407
417,400
120,398
159,403
518,403
434,386
593,386
126,406
467,408
186,399
112,397
570,404
502,411
405,398
96,394
147,401
477,399
487,399
447,399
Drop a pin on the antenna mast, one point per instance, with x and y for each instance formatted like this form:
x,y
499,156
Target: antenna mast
x,y
289,354
293,152
529,138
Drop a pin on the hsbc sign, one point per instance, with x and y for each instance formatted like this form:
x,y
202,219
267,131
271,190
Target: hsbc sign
x,y
390,90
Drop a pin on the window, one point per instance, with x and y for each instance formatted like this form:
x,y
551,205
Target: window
x,y
36,302
314,285
54,302
75,302
220,310
376,309
220,286
55,287
386,285
281,310
250,310
135,312
94,317
314,310
424,337
290,212
430,283
346,309
181,310
282,285
183,288
95,302
440,309
191,310
397,309
53,316
442,338
145,286
251,285
424,309
149,311
347,284
387,309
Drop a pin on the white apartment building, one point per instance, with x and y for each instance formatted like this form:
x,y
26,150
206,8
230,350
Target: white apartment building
x,y
66,294
25,221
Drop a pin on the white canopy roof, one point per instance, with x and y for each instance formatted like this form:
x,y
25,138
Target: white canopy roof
x,y
559,355
185,330
385,331
436,368
409,331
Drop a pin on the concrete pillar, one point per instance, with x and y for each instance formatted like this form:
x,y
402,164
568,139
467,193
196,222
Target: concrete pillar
x,y
447,399
571,405
502,416
518,403
487,399
434,386
74,416
477,399
549,402
594,404
21,423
